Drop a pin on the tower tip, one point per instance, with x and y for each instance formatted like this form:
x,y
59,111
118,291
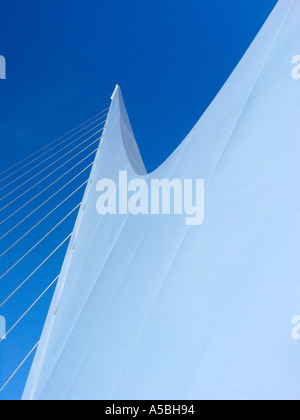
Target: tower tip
x,y
115,91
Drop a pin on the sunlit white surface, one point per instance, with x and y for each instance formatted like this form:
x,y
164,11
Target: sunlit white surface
x,y
149,308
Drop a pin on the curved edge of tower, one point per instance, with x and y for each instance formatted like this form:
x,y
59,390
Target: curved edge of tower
x,y
117,149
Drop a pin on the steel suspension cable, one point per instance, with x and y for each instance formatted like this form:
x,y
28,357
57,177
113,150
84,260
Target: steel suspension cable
x,y
41,240
53,163
19,367
51,156
61,221
45,189
51,173
23,160
29,309
27,278
37,208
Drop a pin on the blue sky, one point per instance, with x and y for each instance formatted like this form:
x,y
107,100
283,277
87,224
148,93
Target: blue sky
x,y
170,57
